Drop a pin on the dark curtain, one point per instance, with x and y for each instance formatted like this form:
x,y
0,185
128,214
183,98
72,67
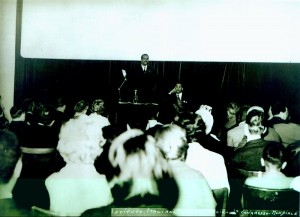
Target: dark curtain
x,y
214,83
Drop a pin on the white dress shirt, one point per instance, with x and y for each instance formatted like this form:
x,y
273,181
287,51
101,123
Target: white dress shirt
x,y
144,67
210,164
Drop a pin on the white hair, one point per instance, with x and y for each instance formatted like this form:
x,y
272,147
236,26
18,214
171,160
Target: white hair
x,y
80,140
141,167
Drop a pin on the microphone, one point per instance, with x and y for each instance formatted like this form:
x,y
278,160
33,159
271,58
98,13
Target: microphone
x,y
124,73
125,79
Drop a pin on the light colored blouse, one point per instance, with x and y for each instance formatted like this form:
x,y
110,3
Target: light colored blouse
x,y
76,188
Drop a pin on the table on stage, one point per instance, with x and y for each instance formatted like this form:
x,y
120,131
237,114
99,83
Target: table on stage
x,y
135,115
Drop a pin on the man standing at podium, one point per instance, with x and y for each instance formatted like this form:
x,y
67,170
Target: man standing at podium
x,y
143,79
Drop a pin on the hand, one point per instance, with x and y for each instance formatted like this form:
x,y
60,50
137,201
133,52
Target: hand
x,y
172,91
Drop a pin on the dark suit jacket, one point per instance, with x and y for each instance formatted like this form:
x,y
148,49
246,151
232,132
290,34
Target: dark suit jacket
x,y
248,157
144,83
179,107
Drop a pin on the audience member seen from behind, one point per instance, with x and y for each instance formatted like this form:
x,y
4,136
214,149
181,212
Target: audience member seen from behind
x,y
229,120
208,163
102,162
207,139
98,107
18,125
10,169
268,134
248,156
30,107
279,121
78,186
236,134
60,111
45,131
195,195
97,112
144,179
273,159
80,108
231,111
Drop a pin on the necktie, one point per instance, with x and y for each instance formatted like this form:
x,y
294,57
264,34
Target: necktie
x,y
178,99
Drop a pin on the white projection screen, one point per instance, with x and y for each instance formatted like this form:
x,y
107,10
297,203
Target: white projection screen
x,y
168,30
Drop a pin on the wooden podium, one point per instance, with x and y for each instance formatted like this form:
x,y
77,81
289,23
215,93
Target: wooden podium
x,y
135,115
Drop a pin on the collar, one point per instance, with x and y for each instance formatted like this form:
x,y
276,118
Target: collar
x,y
253,137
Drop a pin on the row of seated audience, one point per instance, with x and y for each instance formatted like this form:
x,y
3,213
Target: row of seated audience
x,y
97,165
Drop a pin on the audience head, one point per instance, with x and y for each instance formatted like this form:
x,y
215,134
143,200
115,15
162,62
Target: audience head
x,y
171,140
9,155
97,106
255,121
80,140
81,107
193,124
46,115
140,163
31,108
242,113
280,110
16,112
232,108
274,156
144,59
60,104
29,105
110,132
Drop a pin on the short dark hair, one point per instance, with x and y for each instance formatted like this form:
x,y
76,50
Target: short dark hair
x,y
274,153
45,115
242,113
187,120
15,112
9,154
80,106
144,55
278,107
